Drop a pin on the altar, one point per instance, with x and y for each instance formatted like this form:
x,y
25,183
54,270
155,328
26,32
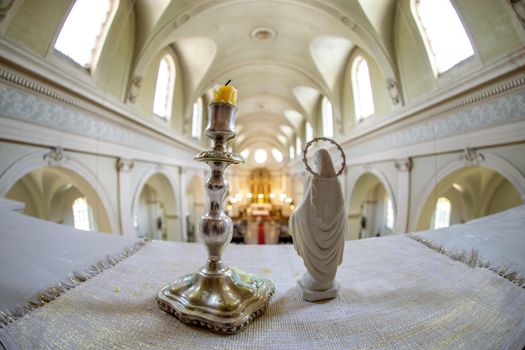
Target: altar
x,y
396,292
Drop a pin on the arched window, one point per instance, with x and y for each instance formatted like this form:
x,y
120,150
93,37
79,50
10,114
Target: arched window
x,y
446,39
442,213
298,145
260,156
389,213
328,118
164,88
81,34
196,119
292,152
277,155
363,98
309,131
83,215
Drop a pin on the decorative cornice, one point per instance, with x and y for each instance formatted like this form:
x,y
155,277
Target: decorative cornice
x,y
40,89
491,113
20,105
500,88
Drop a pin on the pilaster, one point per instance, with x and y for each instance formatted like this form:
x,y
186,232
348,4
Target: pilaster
x,y
404,167
124,168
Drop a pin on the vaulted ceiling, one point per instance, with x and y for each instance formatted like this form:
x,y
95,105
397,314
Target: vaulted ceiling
x,y
283,56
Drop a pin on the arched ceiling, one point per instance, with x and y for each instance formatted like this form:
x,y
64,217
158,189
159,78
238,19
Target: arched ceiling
x,y
282,72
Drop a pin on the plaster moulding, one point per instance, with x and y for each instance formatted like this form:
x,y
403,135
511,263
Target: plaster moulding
x,y
393,91
125,165
471,157
5,5
404,164
56,156
518,6
134,89
348,22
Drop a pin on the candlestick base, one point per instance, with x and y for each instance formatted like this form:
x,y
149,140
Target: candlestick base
x,y
225,301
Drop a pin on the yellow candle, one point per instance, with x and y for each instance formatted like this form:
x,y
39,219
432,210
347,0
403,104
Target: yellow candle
x,y
225,93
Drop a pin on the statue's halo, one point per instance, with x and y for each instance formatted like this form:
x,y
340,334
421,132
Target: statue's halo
x,y
318,139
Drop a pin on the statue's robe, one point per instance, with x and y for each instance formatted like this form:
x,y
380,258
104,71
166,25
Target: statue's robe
x,y
318,224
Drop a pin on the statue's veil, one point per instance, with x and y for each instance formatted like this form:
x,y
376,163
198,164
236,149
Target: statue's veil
x,y
326,197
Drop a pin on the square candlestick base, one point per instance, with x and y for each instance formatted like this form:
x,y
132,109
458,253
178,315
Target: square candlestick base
x,y
224,302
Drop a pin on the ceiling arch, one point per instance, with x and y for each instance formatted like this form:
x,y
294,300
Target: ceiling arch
x,y
248,42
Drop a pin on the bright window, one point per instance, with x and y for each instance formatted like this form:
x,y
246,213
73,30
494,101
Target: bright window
x,y
292,152
298,145
363,98
442,213
328,118
389,217
309,131
82,215
79,38
260,156
277,155
164,87
196,119
447,41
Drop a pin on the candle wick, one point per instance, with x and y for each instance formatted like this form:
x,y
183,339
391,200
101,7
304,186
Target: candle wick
x,y
227,82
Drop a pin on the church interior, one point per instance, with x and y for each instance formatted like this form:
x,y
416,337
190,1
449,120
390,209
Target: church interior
x,y
104,105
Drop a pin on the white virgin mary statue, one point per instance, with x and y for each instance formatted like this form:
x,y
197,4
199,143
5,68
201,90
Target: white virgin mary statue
x,y
318,228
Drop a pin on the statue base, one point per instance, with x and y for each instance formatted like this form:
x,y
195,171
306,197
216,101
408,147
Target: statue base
x,y
223,301
318,295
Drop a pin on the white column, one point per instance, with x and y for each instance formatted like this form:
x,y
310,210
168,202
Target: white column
x,y
402,202
181,203
125,196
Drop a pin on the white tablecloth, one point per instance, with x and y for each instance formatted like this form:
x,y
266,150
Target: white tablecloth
x,y
395,293
35,254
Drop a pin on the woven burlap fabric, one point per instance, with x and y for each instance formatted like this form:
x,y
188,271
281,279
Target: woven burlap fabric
x,y
395,294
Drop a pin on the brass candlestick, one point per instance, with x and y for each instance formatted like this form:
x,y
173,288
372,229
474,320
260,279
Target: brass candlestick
x,y
216,297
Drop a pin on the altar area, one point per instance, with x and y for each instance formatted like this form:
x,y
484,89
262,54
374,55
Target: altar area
x,y
396,292
260,212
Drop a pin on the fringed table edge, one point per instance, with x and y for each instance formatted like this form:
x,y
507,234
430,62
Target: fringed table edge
x,y
74,279
472,259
